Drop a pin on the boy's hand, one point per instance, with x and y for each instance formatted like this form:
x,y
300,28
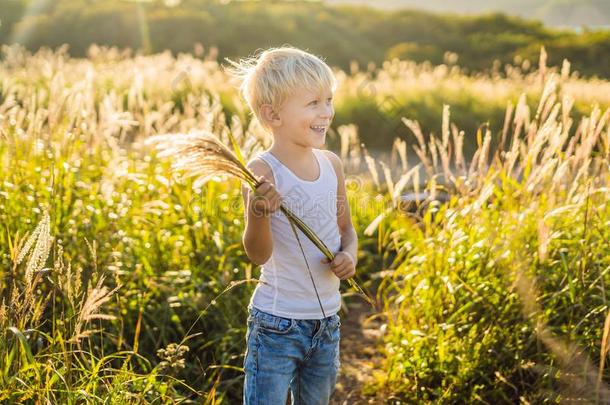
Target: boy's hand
x,y
265,200
342,265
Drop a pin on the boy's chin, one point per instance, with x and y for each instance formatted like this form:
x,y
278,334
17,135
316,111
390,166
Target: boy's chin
x,y
318,141
312,141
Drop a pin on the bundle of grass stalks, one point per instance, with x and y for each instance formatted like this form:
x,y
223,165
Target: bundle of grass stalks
x,y
203,156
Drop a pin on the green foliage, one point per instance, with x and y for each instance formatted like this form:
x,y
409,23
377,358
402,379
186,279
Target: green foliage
x,y
460,335
572,13
119,219
172,281
342,34
494,291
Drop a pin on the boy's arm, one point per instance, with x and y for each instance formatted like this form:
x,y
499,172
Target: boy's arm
x,y
344,265
257,240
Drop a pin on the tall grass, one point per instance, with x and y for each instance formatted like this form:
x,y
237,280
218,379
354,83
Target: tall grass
x,y
121,281
48,340
500,294
71,145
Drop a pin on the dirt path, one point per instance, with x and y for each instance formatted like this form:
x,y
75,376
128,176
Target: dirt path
x,y
360,356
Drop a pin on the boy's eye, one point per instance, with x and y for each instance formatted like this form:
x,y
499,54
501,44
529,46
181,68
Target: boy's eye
x,y
328,100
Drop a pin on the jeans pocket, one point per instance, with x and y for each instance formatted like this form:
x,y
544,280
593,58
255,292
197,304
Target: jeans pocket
x,y
336,322
275,324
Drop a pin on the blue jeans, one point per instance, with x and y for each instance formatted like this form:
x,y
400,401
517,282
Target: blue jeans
x,y
297,354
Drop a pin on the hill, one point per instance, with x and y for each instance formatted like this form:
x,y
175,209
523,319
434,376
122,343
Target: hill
x,y
341,33
563,13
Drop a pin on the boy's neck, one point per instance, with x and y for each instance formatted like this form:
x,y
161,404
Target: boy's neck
x,y
290,151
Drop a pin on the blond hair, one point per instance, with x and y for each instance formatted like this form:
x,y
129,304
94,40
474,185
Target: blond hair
x,y
276,73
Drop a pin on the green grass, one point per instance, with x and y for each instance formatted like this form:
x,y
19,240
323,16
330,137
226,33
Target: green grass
x,y
493,293
143,295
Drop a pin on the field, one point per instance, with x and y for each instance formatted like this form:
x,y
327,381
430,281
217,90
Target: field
x,y
123,281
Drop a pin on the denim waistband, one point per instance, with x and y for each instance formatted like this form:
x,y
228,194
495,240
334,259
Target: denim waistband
x,y
257,312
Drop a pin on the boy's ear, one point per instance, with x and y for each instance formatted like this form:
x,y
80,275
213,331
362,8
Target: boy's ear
x,y
270,115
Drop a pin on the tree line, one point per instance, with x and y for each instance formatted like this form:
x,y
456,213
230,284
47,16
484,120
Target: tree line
x,y
341,34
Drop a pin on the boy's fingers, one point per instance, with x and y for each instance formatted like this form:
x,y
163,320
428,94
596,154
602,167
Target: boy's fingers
x,y
261,188
261,181
270,191
338,268
267,194
339,260
272,194
346,270
264,192
267,189
344,273
340,274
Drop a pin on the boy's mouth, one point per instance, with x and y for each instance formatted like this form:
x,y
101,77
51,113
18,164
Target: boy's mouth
x,y
318,129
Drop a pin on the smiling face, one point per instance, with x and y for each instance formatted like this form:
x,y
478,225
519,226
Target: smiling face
x,y
304,118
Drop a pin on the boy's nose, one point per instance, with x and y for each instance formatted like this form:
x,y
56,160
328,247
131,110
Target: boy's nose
x,y
328,112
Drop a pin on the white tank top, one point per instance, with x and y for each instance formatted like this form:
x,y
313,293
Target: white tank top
x,y
288,291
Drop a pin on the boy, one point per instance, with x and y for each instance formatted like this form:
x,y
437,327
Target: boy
x,y
293,325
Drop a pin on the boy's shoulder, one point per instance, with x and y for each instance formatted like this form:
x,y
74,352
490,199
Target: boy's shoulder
x,y
260,168
334,159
